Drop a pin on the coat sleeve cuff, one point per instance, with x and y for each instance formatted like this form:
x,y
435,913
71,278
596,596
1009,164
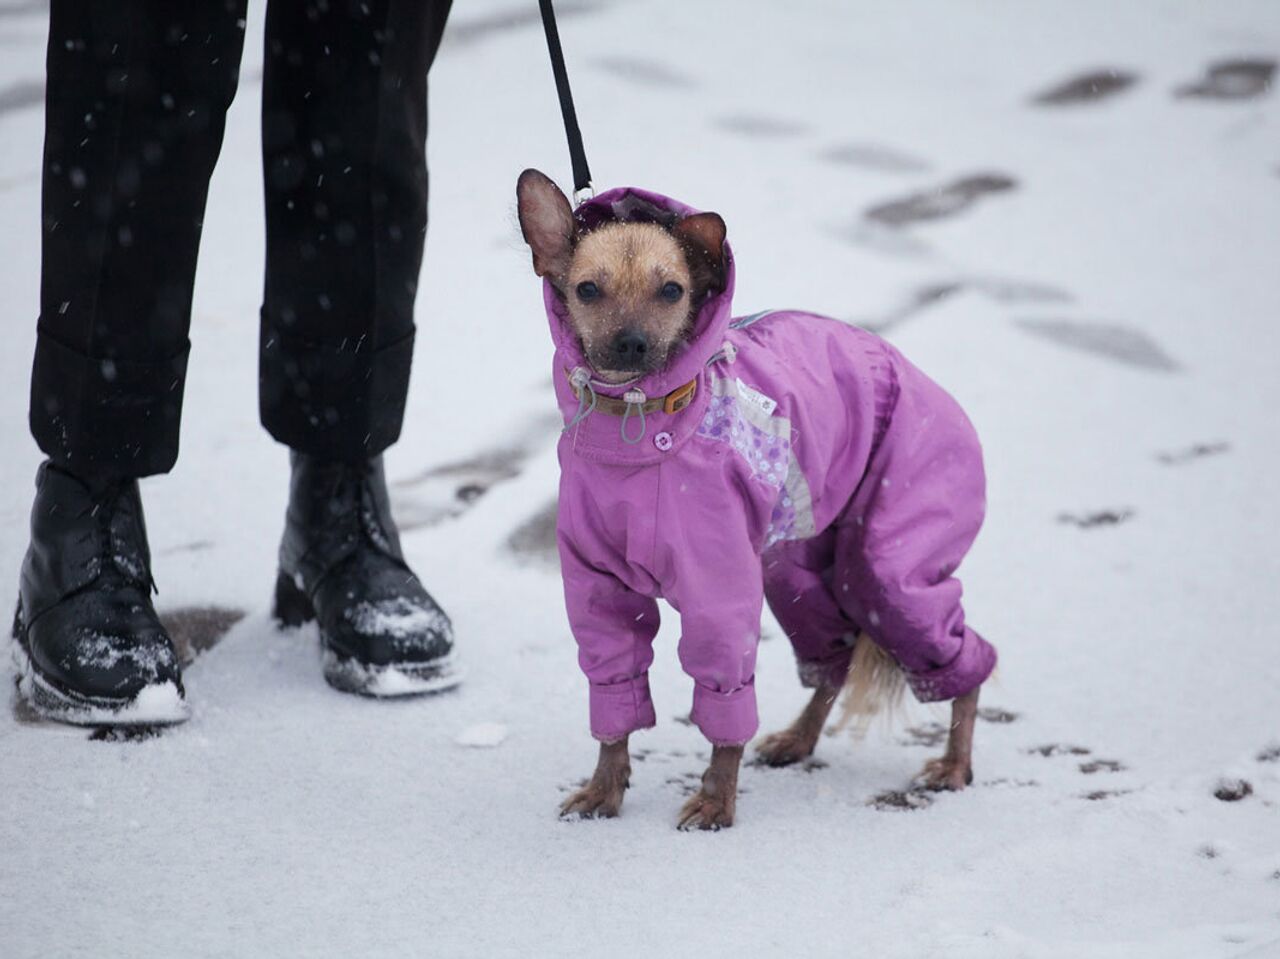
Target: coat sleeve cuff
x,y
969,670
830,673
619,709
726,719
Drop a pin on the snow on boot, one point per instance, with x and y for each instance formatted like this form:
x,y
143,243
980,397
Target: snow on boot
x,y
91,649
341,564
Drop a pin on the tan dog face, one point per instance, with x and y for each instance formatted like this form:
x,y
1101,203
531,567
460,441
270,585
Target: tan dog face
x,y
632,290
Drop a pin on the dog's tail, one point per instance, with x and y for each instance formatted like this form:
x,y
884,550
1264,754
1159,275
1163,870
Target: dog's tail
x,y
875,685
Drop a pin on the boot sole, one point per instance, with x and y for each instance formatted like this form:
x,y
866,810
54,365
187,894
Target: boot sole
x,y
160,704
391,681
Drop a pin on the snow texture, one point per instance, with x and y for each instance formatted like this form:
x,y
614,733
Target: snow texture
x,y
1089,265
482,735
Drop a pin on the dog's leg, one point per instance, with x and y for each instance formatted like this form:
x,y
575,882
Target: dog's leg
x,y
713,805
798,740
602,796
954,769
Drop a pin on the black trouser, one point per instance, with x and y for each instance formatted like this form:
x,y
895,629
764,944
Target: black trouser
x,y
136,101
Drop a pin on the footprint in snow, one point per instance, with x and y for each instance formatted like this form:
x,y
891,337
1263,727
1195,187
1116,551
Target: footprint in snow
x,y
760,127
194,546
1100,794
1008,783
1194,452
684,785
994,714
941,202
1111,341
1236,79
126,734
921,298
197,629
1058,749
869,156
1086,88
1106,517
1232,790
933,734
535,539
444,492
810,765
901,800
1089,768
1102,766
917,301
929,734
645,72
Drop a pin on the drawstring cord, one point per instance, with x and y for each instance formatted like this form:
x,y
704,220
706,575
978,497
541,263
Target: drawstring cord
x,y
585,387
634,399
581,381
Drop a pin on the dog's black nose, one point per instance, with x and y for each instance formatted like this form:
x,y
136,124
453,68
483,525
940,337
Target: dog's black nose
x,y
630,350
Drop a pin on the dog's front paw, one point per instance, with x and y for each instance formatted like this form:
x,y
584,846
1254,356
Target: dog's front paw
x,y
599,799
785,748
706,811
945,773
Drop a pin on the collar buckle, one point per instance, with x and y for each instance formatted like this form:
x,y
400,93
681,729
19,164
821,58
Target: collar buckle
x,y
680,397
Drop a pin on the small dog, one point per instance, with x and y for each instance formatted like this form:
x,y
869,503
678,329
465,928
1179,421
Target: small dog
x,y
718,463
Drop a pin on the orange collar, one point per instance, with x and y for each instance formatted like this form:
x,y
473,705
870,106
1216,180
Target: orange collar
x,y
673,402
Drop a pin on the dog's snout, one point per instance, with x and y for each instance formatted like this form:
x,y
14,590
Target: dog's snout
x,y
630,349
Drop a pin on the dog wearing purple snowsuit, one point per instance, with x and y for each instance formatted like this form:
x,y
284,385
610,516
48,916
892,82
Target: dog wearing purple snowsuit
x,y
798,460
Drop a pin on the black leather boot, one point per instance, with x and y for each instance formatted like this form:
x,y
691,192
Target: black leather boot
x,y
341,564
91,649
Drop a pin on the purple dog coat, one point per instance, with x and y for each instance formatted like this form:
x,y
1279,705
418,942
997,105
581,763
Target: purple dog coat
x,y
814,468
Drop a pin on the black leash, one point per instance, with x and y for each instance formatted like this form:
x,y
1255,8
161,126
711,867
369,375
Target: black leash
x,y
577,155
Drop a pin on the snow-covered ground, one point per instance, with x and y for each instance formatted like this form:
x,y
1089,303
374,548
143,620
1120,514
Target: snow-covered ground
x,y
1098,286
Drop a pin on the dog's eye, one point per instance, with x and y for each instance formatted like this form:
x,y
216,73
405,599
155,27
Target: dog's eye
x,y
588,291
671,292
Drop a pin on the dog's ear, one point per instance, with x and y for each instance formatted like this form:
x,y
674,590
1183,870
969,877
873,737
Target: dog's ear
x,y
702,236
546,220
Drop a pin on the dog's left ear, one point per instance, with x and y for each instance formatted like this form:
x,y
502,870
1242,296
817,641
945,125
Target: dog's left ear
x,y
702,236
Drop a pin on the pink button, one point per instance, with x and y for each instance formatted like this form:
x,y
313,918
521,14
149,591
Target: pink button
x,y
664,440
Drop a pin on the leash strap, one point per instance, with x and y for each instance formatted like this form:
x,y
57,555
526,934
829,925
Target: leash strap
x,y
577,155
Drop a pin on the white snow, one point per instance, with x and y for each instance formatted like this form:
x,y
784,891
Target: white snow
x,y
1112,312
395,617
482,735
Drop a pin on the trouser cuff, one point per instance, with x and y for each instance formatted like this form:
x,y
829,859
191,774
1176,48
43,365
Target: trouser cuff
x,y
619,709
343,401
96,416
830,672
965,673
726,719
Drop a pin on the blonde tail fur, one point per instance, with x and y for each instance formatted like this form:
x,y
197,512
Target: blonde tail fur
x,y
875,685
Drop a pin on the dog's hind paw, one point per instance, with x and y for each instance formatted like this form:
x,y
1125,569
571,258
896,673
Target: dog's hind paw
x,y
945,774
785,748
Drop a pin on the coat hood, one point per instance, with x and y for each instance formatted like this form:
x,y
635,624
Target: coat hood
x,y
598,435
